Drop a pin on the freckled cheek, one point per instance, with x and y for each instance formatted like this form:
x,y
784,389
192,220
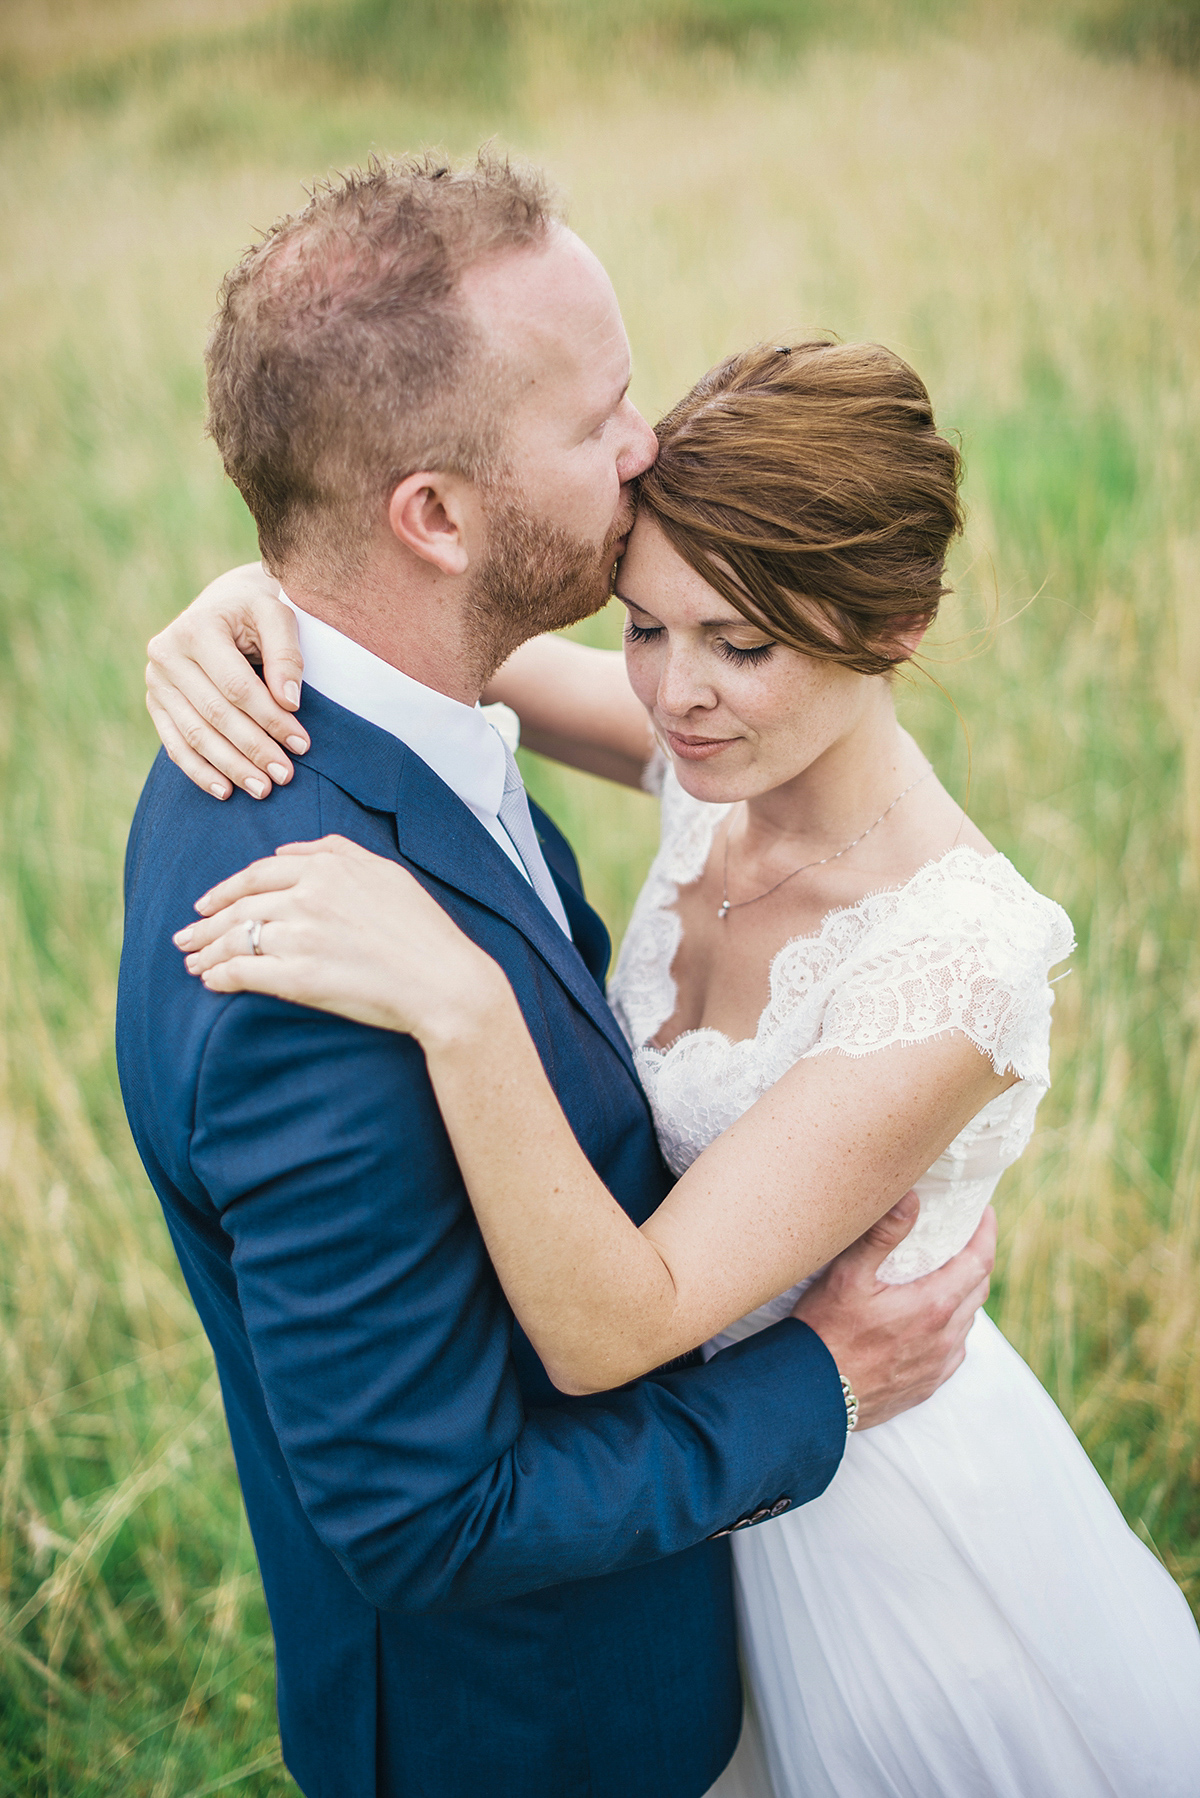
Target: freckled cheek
x,y
779,731
642,669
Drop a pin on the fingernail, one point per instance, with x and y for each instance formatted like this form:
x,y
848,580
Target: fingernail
x,y
183,937
257,787
277,771
297,745
219,791
291,692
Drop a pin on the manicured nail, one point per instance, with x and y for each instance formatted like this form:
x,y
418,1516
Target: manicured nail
x,y
218,790
277,771
257,787
291,692
297,745
183,937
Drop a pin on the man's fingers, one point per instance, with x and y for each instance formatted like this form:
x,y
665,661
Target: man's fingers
x,y
983,1243
876,1244
964,1316
965,1273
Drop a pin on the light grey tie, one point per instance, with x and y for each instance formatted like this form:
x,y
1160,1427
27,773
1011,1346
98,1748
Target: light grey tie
x,y
516,819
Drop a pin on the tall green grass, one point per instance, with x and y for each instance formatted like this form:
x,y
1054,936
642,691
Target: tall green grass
x,y
992,196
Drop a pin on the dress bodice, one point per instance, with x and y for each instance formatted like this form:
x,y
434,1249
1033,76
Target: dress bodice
x,y
965,944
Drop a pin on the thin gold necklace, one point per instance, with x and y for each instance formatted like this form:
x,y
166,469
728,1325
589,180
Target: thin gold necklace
x,y
727,905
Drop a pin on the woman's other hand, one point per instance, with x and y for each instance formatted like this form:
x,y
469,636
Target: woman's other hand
x,y
345,931
220,724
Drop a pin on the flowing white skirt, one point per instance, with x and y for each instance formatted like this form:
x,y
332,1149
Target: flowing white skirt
x,y
964,1614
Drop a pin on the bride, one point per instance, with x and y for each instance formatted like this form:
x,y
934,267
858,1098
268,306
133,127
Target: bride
x,y
830,982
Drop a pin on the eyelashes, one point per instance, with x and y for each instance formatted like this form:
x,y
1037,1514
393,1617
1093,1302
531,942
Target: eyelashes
x,y
741,658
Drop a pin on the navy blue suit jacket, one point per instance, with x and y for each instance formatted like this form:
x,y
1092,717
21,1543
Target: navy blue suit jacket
x,y
476,1585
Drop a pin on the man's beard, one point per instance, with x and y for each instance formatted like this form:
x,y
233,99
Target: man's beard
x,y
535,577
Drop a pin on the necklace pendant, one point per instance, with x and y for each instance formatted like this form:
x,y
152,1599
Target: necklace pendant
x,y
722,909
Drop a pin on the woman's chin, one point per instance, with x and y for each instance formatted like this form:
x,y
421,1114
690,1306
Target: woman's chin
x,y
713,784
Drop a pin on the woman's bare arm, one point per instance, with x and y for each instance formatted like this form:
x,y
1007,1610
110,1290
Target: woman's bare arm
x,y
800,1176
576,706
225,727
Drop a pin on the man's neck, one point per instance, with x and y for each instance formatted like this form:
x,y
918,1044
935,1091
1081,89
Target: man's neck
x,y
422,634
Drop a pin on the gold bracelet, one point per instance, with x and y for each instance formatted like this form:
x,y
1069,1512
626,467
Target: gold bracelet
x,y
851,1405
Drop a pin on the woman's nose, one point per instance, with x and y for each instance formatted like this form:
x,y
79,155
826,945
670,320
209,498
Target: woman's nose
x,y
680,690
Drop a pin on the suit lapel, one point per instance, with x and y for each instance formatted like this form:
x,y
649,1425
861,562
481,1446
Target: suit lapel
x,y
436,832
587,927
465,857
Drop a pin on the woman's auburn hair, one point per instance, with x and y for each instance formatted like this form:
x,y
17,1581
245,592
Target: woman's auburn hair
x,y
809,486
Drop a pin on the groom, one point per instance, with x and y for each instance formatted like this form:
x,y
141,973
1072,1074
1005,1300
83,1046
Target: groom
x,y
477,1586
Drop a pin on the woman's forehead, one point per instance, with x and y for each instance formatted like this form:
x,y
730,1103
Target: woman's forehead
x,y
653,577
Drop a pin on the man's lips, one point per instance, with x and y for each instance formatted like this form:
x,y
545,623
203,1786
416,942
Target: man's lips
x,y
696,749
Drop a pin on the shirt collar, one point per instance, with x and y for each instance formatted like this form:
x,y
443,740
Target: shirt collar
x,y
453,739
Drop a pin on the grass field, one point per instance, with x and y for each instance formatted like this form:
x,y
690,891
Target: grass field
x,y
1008,195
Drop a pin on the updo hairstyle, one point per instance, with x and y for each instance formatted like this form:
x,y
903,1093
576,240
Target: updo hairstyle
x,y
809,487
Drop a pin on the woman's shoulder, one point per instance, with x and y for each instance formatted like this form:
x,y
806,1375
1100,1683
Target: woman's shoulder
x,y
977,895
967,943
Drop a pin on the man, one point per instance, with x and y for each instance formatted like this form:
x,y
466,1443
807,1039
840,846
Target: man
x,y
476,1585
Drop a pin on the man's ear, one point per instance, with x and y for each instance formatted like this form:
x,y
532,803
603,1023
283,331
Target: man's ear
x,y
435,514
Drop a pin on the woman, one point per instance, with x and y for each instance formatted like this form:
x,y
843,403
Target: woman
x,y
834,988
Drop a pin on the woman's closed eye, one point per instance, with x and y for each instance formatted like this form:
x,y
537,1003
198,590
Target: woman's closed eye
x,y
742,658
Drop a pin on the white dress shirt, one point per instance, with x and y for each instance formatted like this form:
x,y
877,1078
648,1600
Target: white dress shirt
x,y
457,741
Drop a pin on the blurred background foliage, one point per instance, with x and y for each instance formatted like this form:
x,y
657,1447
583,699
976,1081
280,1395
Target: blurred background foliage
x,y
1004,192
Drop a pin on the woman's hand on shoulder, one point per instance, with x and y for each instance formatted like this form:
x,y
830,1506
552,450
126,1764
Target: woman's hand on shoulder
x,y
330,925
219,722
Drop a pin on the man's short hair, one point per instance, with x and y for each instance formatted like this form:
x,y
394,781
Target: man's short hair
x,y
342,360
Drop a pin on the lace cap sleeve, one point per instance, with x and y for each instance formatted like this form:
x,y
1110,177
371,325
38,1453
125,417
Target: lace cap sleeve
x,y
654,774
966,945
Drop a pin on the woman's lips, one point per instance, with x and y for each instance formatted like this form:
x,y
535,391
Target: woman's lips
x,y
696,749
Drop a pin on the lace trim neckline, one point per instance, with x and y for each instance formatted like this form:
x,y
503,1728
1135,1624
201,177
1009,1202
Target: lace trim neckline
x,y
831,918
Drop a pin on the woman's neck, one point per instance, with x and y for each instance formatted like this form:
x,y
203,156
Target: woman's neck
x,y
837,796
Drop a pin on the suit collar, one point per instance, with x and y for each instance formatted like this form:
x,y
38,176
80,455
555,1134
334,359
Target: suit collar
x,y
455,739
437,833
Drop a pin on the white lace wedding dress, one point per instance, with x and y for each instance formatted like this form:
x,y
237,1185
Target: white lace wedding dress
x,y
964,1612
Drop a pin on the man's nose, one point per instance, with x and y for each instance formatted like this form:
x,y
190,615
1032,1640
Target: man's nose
x,y
640,447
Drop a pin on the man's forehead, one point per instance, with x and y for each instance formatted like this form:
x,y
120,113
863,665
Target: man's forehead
x,y
553,302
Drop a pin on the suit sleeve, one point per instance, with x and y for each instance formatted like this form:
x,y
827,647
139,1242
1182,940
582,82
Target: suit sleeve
x,y
382,1342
